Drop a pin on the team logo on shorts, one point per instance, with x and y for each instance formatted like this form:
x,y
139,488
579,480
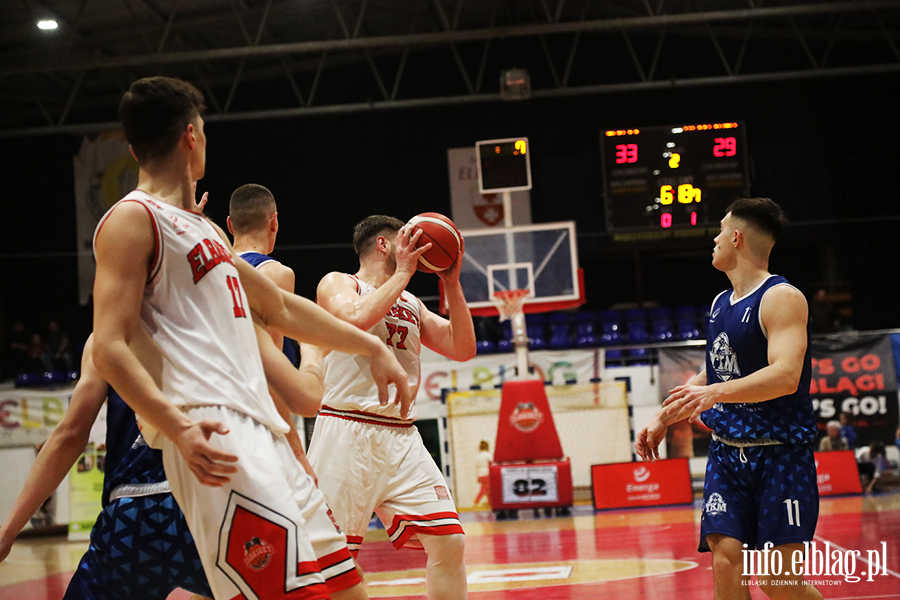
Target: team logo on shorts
x,y
441,492
715,505
526,417
257,553
724,359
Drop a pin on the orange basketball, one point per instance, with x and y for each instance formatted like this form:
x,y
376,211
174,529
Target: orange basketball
x,y
444,238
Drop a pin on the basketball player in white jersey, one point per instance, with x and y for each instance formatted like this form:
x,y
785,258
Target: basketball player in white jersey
x,y
370,457
168,269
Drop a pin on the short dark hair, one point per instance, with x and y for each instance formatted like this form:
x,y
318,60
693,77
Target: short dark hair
x,y
761,213
877,448
154,112
250,208
368,229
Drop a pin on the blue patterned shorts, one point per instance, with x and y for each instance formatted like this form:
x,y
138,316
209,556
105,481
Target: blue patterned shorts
x,y
140,549
769,496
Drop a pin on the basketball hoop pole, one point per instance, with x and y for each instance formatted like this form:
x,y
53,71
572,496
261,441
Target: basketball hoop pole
x,y
520,334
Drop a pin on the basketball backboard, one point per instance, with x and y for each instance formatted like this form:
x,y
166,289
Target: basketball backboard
x,y
541,258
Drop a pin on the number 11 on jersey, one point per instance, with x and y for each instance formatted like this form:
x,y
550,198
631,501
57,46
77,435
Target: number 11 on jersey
x,y
235,286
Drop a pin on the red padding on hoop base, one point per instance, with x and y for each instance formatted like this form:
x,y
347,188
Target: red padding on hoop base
x,y
526,430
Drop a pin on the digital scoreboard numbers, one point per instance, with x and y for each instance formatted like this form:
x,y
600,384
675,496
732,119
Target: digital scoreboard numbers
x,y
503,165
671,181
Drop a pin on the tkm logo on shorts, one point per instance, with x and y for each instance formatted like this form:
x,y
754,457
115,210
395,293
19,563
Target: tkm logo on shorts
x,y
257,553
526,417
715,505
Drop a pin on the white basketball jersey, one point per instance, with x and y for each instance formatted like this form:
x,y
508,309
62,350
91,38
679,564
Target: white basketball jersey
x,y
195,309
348,378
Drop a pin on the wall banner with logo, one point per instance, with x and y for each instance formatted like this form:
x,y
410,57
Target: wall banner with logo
x,y
626,485
104,172
27,418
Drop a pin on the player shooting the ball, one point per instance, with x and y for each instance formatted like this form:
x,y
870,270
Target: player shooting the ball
x,y
369,455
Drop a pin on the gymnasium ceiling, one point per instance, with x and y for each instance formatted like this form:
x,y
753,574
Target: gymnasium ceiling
x,y
258,59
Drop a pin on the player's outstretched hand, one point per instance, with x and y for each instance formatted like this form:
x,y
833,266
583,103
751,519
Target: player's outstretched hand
x,y
405,252
210,465
649,439
689,401
386,371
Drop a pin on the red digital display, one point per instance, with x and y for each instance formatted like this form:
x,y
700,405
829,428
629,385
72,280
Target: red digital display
x,y
725,147
626,153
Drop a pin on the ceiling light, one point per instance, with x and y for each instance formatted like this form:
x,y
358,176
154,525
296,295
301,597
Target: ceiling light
x,y
47,24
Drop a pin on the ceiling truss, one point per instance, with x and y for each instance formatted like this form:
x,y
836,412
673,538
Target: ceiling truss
x,y
257,59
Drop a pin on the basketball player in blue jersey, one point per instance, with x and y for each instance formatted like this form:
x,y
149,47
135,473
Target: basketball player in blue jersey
x,y
760,483
253,221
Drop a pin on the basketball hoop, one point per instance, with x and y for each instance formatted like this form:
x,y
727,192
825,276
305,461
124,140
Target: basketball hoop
x,y
509,302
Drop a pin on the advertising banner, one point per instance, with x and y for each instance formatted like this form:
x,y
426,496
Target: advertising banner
x,y
28,417
836,473
626,485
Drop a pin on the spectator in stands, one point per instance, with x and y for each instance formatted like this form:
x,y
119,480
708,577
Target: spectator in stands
x,y
19,343
871,462
823,316
58,353
834,440
847,429
33,354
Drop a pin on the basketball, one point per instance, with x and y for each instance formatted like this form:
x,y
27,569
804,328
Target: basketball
x,y
444,237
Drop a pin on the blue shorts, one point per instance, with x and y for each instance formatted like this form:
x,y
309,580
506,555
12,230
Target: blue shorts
x,y
770,496
140,549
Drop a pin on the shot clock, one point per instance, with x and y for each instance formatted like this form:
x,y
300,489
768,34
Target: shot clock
x,y
665,181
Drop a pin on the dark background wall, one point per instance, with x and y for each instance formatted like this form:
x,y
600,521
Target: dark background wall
x,y
826,150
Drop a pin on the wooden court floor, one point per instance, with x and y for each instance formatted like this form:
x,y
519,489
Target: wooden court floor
x,y
623,554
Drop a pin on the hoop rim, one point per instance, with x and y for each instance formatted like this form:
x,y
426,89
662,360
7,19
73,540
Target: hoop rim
x,y
509,303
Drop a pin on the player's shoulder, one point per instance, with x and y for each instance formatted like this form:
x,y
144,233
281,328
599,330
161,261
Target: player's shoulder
x,y
782,291
337,278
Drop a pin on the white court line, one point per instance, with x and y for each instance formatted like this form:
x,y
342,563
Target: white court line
x,y
860,557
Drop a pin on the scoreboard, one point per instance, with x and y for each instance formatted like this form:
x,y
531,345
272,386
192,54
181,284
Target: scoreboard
x,y
671,181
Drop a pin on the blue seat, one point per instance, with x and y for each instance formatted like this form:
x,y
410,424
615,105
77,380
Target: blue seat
x,y
485,346
637,333
661,324
504,344
585,330
560,337
535,329
686,323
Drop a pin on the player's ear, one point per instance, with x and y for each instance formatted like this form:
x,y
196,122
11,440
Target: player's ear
x,y
228,223
190,137
273,222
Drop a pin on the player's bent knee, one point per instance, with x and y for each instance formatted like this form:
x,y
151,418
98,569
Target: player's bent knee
x,y
446,549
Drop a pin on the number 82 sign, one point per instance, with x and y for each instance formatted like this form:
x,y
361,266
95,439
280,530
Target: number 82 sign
x,y
536,484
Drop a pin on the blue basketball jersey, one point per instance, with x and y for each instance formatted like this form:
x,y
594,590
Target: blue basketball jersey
x,y
736,346
290,347
129,460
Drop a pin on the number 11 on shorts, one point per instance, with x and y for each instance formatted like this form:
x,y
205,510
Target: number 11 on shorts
x,y
793,512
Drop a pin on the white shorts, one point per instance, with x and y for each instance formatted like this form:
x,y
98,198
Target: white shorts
x,y
268,533
365,467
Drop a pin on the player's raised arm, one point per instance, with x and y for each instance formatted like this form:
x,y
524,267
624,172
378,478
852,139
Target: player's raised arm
x,y
453,337
338,295
124,248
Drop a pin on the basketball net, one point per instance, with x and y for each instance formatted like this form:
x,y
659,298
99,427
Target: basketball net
x,y
509,303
